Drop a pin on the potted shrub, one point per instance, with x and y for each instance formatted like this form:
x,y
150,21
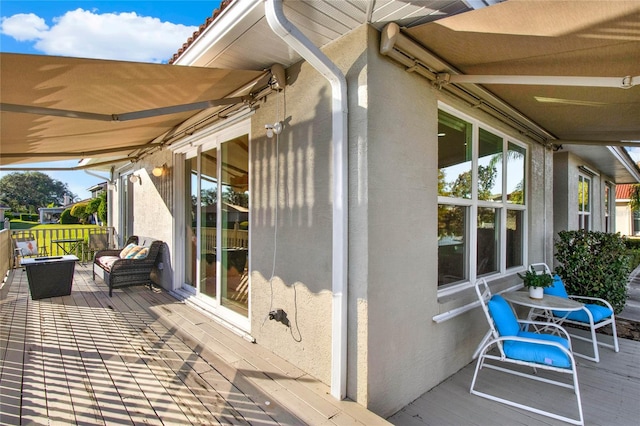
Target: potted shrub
x,y
536,282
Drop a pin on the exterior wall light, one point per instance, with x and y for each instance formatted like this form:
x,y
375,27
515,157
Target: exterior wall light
x,y
159,170
275,128
135,178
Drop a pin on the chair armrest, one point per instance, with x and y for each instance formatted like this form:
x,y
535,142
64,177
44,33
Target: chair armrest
x,y
545,324
596,299
107,252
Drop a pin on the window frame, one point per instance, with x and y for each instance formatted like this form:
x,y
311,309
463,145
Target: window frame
x,y
502,207
582,212
609,211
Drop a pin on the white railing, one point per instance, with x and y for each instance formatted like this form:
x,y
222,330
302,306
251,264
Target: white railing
x,y
54,241
236,238
6,249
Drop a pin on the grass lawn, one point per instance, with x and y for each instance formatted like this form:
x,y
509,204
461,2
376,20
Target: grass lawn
x,y
21,224
45,234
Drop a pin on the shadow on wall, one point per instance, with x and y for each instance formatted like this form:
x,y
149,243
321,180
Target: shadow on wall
x,y
292,173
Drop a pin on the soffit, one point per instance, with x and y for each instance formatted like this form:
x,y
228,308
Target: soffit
x,y
613,162
101,87
249,43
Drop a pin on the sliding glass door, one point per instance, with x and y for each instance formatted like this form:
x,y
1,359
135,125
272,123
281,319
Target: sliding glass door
x,y
234,225
216,242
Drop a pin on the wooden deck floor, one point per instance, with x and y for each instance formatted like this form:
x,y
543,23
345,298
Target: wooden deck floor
x,y
142,357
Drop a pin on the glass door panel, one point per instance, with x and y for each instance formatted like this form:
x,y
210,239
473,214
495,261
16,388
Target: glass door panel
x,y
235,225
190,223
208,218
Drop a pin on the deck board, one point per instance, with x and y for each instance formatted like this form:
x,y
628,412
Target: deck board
x,y
143,357
609,391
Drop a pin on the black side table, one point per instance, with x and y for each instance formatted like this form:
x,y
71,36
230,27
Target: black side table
x,y
50,276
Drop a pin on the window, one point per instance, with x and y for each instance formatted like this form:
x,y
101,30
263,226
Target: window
x,y
584,202
608,208
481,201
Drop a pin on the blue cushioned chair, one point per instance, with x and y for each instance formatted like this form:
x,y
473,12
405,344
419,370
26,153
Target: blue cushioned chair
x,y
593,315
518,347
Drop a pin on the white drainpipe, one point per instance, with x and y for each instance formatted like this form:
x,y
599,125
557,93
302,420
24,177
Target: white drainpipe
x,y
284,29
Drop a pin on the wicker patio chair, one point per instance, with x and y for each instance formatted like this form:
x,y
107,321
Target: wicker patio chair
x,y
120,270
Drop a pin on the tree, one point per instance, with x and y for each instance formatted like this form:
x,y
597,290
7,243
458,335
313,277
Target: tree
x,y
208,197
98,207
103,207
67,219
79,211
28,191
634,199
236,198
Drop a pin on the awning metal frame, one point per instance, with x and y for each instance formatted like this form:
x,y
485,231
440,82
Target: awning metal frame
x,y
127,116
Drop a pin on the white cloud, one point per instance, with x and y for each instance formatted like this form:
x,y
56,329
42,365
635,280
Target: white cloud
x,y
82,33
23,26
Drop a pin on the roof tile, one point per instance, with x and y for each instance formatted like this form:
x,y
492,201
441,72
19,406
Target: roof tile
x,y
200,30
623,192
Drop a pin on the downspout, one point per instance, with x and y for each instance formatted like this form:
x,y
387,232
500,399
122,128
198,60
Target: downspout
x,y
284,29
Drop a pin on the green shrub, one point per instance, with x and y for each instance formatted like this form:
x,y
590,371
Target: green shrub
x,y
79,211
632,243
29,217
594,264
67,219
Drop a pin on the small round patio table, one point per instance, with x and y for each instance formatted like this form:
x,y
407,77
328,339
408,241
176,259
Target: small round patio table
x,y
544,307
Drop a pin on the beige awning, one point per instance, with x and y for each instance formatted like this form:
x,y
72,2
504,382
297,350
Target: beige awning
x,y
551,38
56,108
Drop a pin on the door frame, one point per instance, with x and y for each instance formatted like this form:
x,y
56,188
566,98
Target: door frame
x,y
189,147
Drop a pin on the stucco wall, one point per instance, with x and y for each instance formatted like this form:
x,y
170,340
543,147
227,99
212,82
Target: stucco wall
x,y
565,190
153,204
562,193
404,350
408,353
624,218
291,211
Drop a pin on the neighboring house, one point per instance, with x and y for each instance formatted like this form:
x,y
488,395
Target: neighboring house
x,y
97,189
380,184
583,188
51,214
627,221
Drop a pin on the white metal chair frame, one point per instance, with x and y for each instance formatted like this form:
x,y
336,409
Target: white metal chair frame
x,y
493,339
593,326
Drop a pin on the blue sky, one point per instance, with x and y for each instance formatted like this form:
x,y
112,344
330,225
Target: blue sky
x,y
143,31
